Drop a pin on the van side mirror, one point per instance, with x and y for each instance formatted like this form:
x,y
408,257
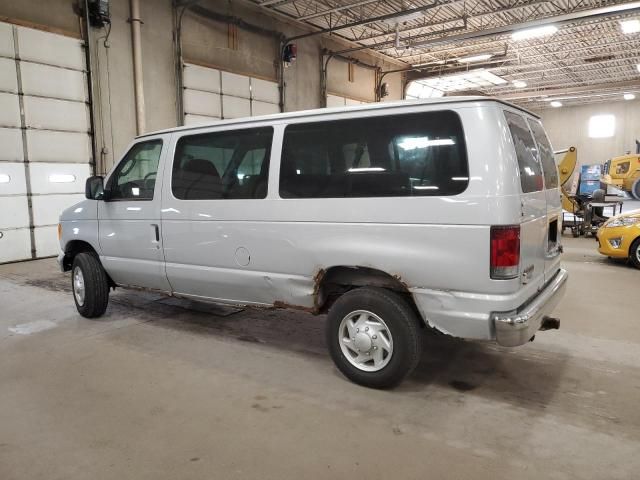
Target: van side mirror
x,y
94,188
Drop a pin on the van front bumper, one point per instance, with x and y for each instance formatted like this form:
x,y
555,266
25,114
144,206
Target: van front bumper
x,y
518,327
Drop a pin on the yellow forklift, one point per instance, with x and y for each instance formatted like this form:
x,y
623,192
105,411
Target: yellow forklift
x,y
624,172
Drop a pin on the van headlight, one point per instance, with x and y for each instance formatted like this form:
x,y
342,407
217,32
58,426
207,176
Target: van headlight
x,y
622,222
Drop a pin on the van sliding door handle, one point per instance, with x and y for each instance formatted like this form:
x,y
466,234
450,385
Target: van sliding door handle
x,y
156,232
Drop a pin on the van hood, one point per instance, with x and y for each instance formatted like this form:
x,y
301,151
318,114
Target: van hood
x,y
84,210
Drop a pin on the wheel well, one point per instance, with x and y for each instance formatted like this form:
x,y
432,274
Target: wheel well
x,y
73,248
340,279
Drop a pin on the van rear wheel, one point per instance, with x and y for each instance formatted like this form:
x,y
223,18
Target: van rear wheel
x,y
373,337
90,285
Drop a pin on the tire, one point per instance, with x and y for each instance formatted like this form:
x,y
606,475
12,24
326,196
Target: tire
x,y
634,253
89,285
398,335
635,189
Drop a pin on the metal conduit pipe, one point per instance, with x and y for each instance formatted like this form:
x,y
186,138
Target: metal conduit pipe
x,y
325,58
137,66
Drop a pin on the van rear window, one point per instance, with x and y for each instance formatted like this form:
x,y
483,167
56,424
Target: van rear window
x,y
526,153
390,156
545,151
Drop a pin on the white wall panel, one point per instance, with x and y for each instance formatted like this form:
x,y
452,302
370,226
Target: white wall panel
x,y
6,40
47,81
16,184
46,241
51,114
265,91
9,110
14,212
11,144
263,108
49,48
202,103
47,208
44,175
201,78
235,107
50,146
236,85
199,119
8,76
350,101
15,245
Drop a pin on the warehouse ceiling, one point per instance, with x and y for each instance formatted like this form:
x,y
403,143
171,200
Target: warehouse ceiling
x,y
580,51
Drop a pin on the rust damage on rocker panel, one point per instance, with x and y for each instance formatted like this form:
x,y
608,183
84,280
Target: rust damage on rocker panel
x,y
317,281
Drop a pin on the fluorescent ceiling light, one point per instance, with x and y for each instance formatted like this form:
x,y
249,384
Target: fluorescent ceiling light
x,y
638,67
4,178
519,84
536,32
62,178
425,187
630,26
556,104
475,58
629,96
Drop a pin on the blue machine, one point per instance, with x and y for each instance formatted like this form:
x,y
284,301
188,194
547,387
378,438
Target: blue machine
x,y
589,179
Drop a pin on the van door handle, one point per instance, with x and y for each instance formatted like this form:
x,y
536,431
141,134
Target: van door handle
x,y
156,231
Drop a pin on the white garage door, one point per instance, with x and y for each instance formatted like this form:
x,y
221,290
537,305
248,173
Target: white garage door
x,y
44,133
340,101
211,94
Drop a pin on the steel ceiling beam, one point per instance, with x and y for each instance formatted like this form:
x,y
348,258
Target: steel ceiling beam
x,y
567,91
366,21
588,14
482,14
335,10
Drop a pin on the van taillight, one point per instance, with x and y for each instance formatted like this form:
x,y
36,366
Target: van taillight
x,y
505,251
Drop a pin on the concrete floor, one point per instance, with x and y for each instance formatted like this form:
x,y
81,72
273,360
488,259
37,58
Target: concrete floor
x,y
155,390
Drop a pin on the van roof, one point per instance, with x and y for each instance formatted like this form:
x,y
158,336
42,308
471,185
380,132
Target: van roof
x,y
354,108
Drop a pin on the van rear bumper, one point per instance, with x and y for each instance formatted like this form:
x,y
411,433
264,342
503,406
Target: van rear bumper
x,y
517,327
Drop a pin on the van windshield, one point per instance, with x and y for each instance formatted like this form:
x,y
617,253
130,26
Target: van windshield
x,y
400,155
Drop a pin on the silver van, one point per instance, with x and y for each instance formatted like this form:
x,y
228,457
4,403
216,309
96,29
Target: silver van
x,y
395,219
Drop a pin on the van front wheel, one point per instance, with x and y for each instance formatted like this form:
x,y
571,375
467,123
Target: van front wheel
x,y
374,337
90,285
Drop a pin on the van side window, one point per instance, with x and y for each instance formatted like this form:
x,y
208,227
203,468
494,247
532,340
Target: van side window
x,y
549,168
526,153
400,155
222,165
135,176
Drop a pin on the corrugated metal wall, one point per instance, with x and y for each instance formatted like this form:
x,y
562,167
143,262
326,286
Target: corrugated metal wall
x,y
45,137
211,94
